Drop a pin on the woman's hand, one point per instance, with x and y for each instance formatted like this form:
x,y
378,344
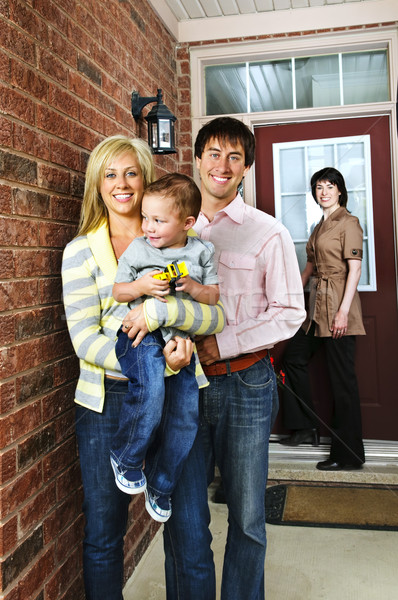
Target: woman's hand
x,y
135,325
178,353
339,325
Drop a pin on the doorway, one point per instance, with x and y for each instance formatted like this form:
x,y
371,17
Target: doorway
x,y
377,351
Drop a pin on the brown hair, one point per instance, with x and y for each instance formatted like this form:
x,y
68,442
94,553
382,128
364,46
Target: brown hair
x,y
182,190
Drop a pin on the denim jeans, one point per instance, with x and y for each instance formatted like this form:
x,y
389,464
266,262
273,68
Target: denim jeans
x,y
237,412
105,507
159,416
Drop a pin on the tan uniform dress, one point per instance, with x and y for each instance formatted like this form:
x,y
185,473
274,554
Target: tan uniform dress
x,y
330,245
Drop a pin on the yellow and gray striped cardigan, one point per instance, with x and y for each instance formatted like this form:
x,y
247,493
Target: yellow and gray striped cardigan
x,y
93,316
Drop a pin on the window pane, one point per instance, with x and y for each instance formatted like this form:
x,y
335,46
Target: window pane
x,y
317,81
271,85
292,170
318,158
365,77
226,90
293,215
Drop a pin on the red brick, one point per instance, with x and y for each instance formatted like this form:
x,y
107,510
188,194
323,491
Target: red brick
x,y
20,423
69,480
52,122
71,538
63,101
55,235
82,136
20,358
5,199
8,535
65,209
52,66
31,263
5,132
22,488
36,141
60,518
7,396
79,86
7,329
76,589
17,168
30,385
6,265
28,80
30,22
8,465
18,294
60,581
18,232
17,105
54,179
66,369
37,508
37,574
51,13
63,154
12,594
58,460
28,203
33,322
50,290
87,20
58,401
17,43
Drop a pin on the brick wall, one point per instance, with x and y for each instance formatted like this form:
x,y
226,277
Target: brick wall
x,y
67,70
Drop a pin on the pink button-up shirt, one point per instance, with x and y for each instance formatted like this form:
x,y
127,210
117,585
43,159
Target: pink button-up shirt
x,y
259,278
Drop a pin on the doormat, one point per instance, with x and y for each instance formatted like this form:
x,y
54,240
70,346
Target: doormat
x,y
332,506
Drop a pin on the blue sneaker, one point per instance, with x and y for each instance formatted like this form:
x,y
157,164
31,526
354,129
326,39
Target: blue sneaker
x,y
130,482
159,507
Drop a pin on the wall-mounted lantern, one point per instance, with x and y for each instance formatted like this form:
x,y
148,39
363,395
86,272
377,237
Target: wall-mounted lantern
x,y
160,122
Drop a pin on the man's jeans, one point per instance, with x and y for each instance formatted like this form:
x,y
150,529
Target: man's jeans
x,y
159,417
237,413
105,507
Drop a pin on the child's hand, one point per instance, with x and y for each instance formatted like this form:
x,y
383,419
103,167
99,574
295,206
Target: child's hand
x,y
158,288
185,284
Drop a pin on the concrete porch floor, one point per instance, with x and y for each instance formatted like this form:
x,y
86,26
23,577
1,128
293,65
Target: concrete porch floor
x,y
303,563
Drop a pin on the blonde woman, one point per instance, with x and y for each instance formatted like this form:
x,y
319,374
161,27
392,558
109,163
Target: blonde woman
x,y
118,171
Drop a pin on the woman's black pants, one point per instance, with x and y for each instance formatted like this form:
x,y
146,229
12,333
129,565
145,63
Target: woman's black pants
x,y
298,408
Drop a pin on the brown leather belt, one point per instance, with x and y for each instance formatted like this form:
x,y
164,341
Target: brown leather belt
x,y
235,364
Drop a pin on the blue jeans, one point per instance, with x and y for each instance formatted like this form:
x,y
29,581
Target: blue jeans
x,y
237,413
159,416
105,507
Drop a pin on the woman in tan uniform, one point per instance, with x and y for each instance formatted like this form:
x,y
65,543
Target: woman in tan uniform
x,y
334,254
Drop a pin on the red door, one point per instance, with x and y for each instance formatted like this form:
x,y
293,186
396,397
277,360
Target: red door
x,y
377,352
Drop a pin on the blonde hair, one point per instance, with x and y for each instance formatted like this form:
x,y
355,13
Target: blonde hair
x,y
94,211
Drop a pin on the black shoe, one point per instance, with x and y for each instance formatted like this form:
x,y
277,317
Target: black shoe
x,y
331,465
302,436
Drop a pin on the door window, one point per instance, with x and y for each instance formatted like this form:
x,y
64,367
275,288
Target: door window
x,y
295,163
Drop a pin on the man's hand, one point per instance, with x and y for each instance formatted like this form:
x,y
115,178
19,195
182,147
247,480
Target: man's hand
x,y
178,352
207,347
134,324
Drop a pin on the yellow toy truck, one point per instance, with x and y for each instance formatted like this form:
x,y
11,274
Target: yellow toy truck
x,y
173,272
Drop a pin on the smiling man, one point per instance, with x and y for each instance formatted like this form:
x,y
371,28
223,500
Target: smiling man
x,y
261,289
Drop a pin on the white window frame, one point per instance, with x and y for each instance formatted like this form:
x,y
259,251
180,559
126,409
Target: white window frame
x,y
383,37
365,140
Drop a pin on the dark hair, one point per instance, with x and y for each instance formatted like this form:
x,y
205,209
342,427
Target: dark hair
x,y
333,176
182,190
227,129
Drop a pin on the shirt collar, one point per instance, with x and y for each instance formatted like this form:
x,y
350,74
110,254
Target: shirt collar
x,y
234,210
